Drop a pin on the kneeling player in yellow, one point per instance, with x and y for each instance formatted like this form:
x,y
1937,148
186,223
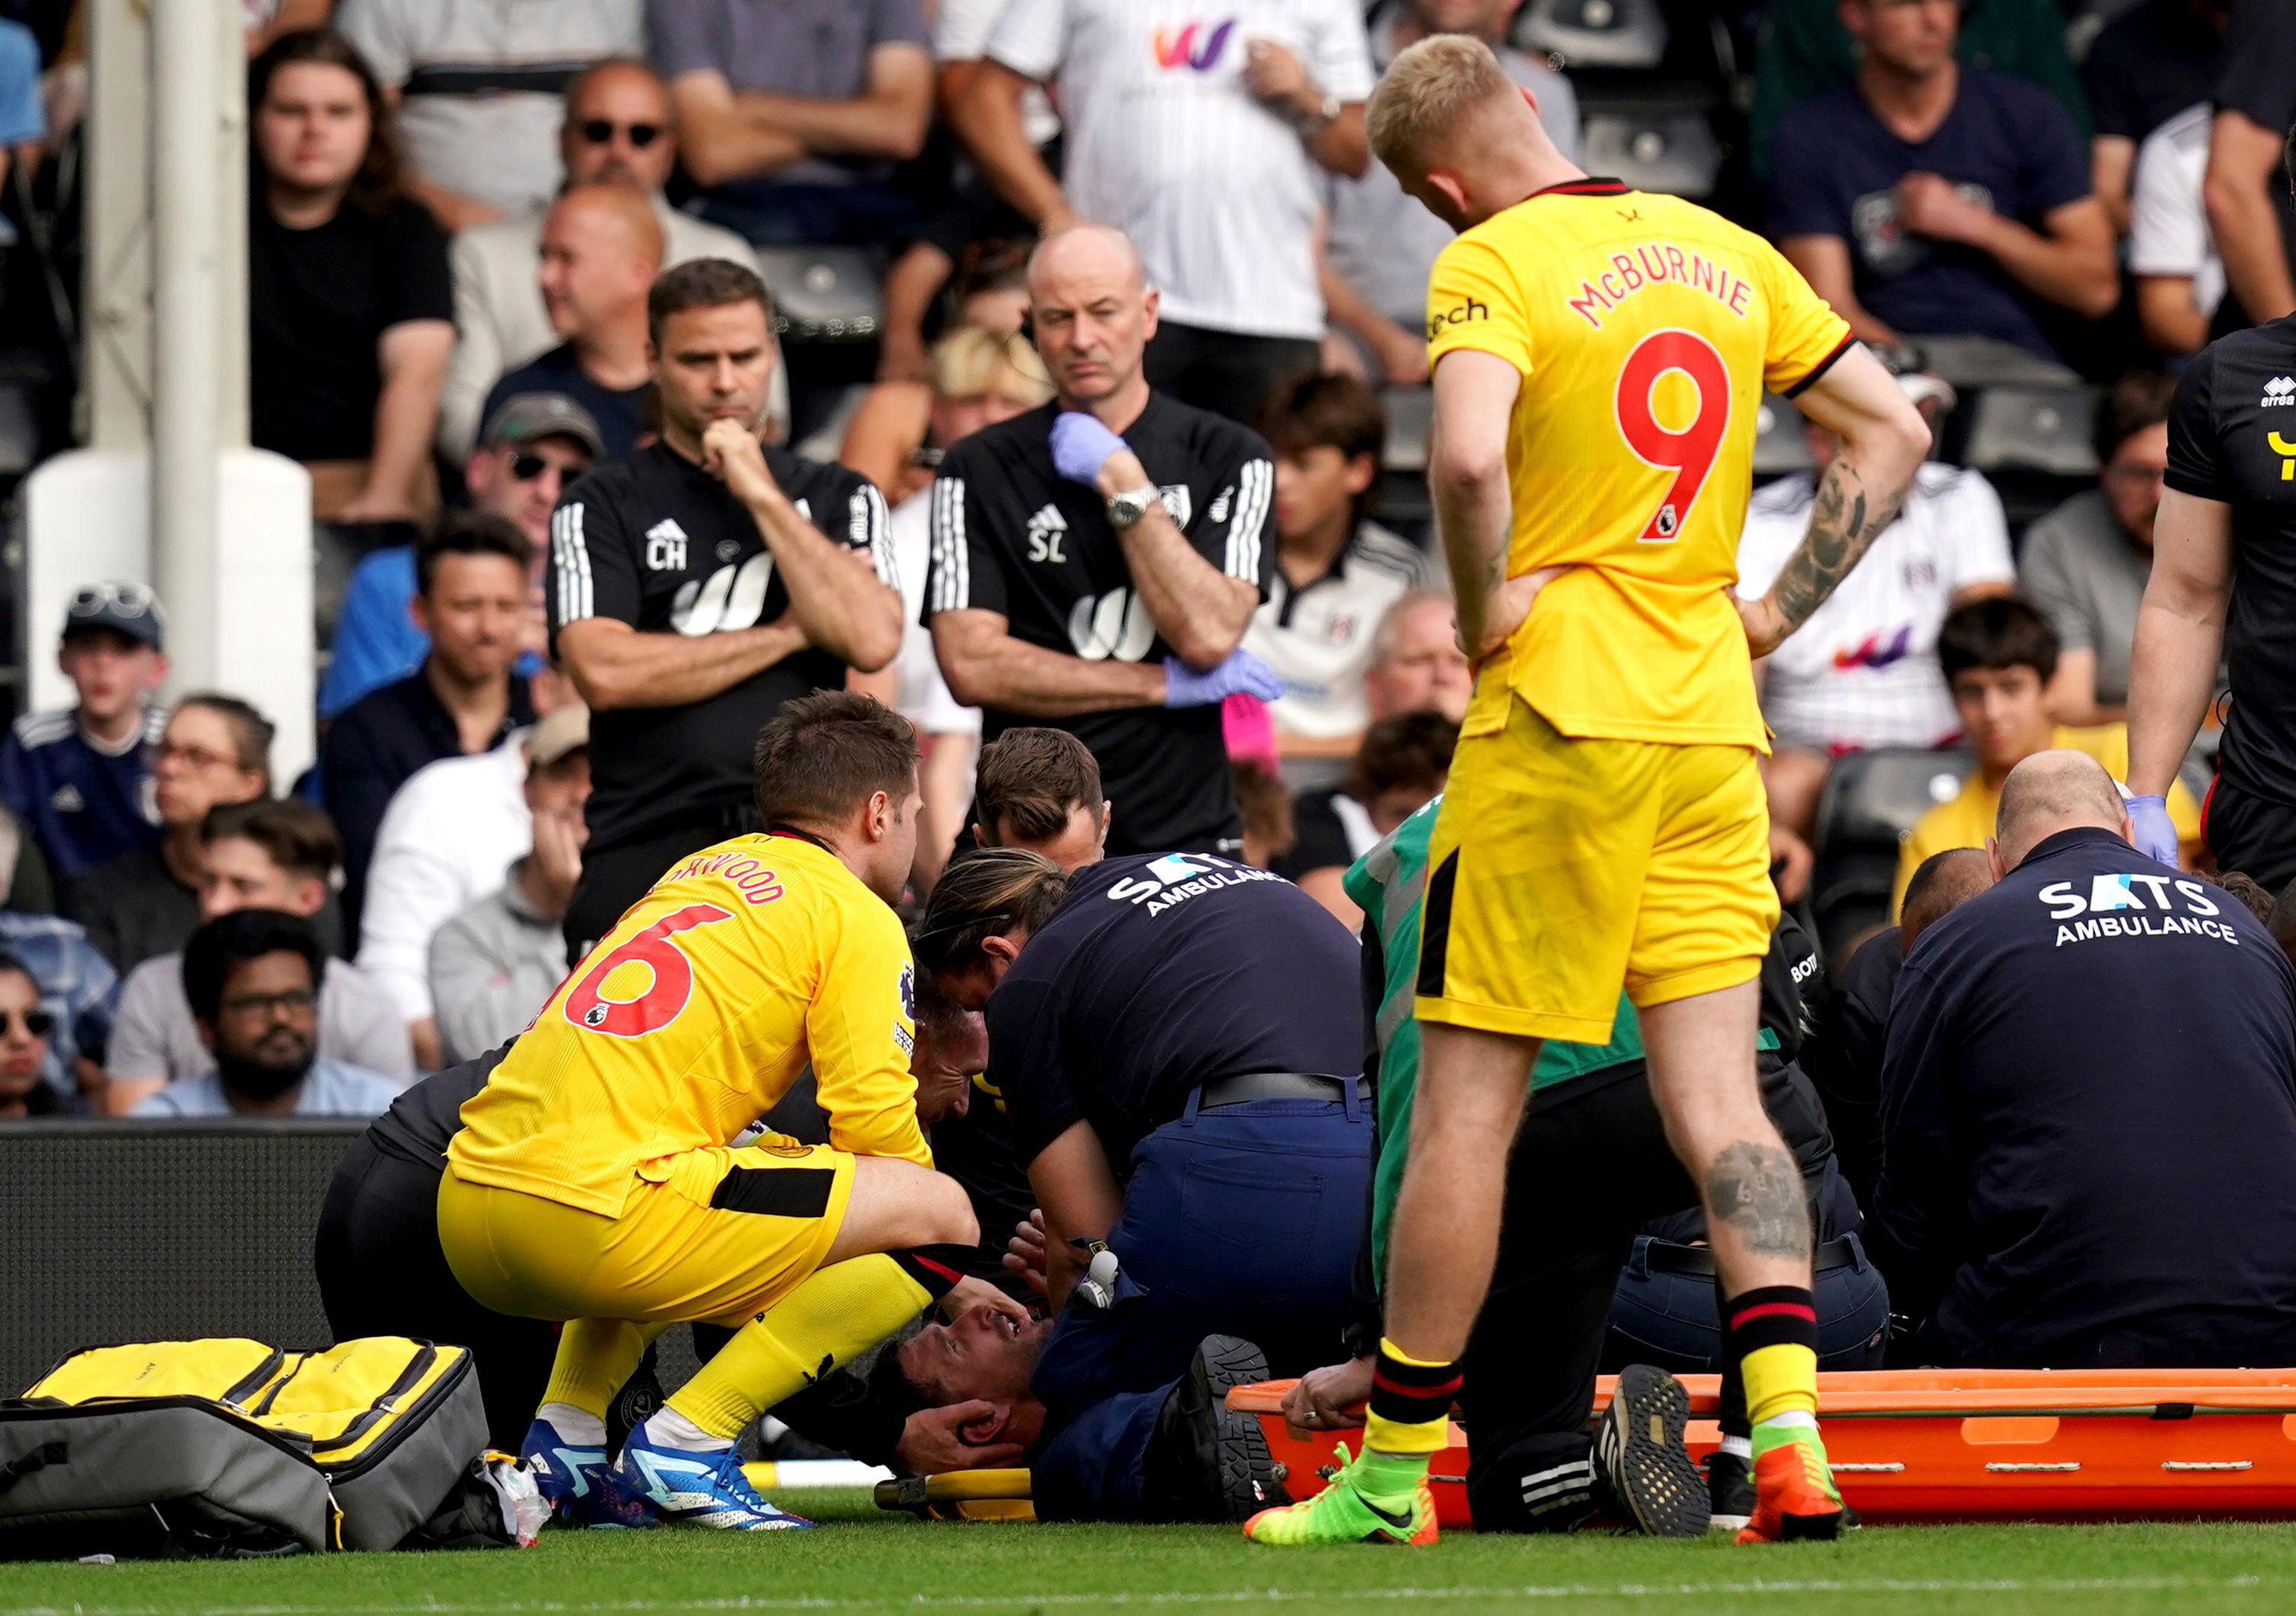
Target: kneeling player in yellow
x,y
1599,356
591,1181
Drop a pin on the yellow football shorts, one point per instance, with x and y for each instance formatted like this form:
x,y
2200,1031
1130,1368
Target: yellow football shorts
x,y
715,1234
1561,869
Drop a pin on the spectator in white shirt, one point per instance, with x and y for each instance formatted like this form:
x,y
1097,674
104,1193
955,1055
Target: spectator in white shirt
x,y
1382,244
1337,572
1205,140
447,837
1863,671
474,91
2172,256
279,854
617,125
494,965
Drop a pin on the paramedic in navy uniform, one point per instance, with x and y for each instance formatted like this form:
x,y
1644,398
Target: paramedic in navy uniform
x,y
2088,1108
1213,1133
1096,561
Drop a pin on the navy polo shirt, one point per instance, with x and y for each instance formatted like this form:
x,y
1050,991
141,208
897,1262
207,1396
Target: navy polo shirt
x,y
1156,975
2088,1109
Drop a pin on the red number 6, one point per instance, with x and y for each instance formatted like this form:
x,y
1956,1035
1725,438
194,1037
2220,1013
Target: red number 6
x,y
1689,454
655,947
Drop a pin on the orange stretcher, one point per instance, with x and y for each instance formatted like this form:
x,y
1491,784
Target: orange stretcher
x,y
1978,1445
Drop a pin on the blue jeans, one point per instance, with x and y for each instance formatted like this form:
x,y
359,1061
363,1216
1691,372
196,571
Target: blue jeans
x,y
811,216
1240,1220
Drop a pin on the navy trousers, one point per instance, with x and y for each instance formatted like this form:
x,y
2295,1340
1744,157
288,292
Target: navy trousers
x,y
1240,1221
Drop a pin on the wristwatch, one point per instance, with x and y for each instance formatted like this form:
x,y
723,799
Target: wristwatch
x,y
1130,506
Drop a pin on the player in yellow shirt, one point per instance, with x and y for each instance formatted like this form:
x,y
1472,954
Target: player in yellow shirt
x,y
591,1182
1599,359
1998,656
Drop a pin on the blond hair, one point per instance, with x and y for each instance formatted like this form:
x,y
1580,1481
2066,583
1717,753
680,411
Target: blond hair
x,y
970,361
1427,94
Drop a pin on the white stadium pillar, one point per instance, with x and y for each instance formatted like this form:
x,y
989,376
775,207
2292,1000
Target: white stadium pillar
x,y
167,490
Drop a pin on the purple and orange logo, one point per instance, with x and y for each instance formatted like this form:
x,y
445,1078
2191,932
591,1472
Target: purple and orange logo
x,y
1876,651
1192,46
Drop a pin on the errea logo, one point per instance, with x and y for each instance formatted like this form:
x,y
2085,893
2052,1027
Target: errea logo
x,y
2280,390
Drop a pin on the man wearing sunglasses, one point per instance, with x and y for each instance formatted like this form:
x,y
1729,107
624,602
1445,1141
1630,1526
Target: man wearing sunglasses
x,y
535,446
618,126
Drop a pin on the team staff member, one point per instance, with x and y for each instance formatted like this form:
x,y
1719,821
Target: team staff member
x,y
591,1181
1598,360
2088,1107
1214,1136
2223,587
1096,561
699,584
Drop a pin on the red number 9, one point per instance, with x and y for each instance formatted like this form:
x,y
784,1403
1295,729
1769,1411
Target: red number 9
x,y
1689,454
655,947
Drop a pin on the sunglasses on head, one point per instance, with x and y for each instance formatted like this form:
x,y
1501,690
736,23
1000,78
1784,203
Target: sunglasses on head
x,y
598,131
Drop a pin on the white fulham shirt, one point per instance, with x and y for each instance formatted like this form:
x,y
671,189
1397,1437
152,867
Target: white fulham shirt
x,y
2168,222
1165,142
1863,671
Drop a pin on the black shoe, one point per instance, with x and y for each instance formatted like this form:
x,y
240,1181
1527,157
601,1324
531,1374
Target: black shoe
x,y
1639,1453
1729,1491
1204,1463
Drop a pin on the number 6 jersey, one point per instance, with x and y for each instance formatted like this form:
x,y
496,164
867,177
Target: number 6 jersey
x,y
693,1016
1645,329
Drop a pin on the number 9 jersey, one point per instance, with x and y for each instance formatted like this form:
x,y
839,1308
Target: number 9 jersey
x,y
1644,329
692,1018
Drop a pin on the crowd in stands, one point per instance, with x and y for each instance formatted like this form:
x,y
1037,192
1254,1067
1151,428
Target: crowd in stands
x,y
519,284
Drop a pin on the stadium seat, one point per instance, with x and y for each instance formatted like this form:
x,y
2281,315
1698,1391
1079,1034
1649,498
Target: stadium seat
x,y
2042,429
1410,413
1968,362
1871,800
825,294
1780,447
1594,34
1674,152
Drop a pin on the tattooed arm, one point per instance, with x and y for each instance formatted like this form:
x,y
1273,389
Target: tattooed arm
x,y
1467,475
1882,442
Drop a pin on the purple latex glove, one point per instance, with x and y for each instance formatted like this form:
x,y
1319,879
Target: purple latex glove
x,y
1081,446
2156,835
1239,673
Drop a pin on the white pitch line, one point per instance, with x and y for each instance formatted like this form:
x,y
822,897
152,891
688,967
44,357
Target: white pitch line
x,y
993,1602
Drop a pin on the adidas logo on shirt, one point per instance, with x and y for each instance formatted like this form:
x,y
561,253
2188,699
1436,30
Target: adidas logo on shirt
x,y
2280,390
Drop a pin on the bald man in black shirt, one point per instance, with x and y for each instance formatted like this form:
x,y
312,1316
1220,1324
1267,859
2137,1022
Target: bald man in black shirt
x,y
2089,1107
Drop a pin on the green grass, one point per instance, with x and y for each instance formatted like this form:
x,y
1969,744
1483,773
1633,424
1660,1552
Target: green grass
x,y
865,1561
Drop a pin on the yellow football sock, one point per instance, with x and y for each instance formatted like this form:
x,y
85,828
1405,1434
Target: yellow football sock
x,y
836,1314
1410,1403
597,1357
1782,1379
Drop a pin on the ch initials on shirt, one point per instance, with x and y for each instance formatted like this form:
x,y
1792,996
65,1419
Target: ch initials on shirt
x,y
665,551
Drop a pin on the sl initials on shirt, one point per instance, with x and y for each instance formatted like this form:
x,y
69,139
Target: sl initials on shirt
x,y
1688,449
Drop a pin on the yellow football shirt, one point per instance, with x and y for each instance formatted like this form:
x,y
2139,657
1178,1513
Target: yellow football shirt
x,y
1645,329
1966,820
693,1016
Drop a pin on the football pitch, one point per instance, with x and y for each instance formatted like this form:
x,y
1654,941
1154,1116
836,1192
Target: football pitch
x,y
865,1561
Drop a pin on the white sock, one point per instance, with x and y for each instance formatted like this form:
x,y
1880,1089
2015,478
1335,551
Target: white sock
x,y
667,1428
1739,1446
575,1424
